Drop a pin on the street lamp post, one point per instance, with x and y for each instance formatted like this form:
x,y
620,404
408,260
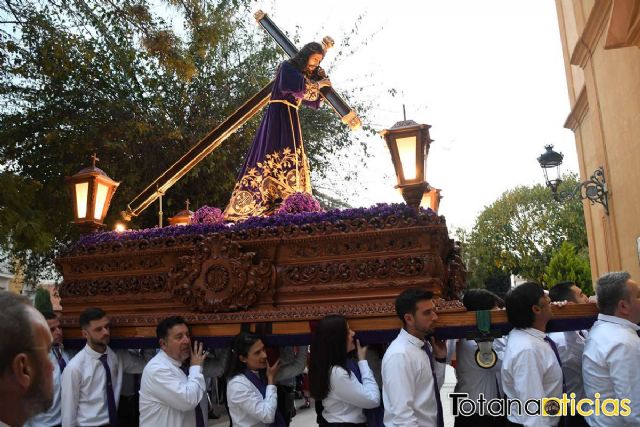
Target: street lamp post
x,y
408,144
92,191
594,189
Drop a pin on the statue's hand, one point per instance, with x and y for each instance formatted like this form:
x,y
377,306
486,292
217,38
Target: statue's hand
x,y
321,73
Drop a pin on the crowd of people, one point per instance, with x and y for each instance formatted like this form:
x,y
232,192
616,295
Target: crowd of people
x,y
536,378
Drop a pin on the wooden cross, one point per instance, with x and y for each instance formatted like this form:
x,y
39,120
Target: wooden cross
x,y
346,113
94,159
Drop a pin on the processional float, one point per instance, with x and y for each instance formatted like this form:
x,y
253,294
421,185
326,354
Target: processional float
x,y
275,278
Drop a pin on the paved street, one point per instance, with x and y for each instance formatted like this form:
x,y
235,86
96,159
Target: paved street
x,y
307,417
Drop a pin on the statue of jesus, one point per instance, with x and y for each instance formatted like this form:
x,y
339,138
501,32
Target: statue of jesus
x,y
277,165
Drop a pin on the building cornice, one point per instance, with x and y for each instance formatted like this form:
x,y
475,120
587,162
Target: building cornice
x,y
624,25
579,110
596,23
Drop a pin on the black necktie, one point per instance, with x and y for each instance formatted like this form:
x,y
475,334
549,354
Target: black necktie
x,y
58,354
111,400
199,417
440,416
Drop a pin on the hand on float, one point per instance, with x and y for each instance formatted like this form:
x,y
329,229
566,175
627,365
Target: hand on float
x,y
198,354
361,350
272,371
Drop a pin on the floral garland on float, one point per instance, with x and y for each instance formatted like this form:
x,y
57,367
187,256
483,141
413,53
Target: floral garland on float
x,y
295,213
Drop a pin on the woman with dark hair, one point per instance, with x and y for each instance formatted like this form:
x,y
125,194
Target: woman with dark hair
x,y
340,387
251,390
277,165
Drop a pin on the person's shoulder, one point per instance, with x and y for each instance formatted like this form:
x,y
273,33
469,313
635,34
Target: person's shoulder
x,y
608,333
396,356
240,382
77,359
76,364
238,379
339,371
155,363
519,341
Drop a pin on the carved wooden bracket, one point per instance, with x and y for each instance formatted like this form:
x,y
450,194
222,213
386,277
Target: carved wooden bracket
x,y
219,277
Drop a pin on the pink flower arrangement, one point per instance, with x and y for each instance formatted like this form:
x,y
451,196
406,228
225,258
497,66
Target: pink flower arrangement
x,y
207,215
298,203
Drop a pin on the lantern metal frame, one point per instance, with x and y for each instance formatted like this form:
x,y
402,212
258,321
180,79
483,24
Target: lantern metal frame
x,y
93,177
412,189
594,189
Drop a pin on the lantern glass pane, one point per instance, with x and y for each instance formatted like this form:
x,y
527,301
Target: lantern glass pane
x,y
407,153
101,198
82,192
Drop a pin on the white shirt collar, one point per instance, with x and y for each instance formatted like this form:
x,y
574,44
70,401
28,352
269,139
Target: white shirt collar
x,y
618,320
534,333
171,360
412,339
91,352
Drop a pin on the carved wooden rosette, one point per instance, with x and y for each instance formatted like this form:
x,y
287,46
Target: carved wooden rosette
x,y
219,277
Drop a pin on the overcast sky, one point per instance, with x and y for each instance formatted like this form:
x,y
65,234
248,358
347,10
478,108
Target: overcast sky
x,y
488,76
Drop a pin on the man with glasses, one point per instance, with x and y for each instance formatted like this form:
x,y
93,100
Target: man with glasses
x,y
531,368
26,373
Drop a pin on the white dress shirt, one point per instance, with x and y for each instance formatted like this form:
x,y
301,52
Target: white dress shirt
x,y
168,397
472,379
570,347
53,415
610,367
247,407
84,393
408,391
348,397
530,370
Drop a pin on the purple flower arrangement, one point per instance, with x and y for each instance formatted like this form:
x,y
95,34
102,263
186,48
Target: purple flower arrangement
x,y
207,215
299,203
372,214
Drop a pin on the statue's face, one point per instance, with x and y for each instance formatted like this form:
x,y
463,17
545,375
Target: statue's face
x,y
313,62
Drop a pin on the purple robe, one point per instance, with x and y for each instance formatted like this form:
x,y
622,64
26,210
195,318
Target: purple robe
x,y
276,165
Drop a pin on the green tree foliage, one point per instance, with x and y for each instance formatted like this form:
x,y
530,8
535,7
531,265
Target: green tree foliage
x,y
520,232
42,301
569,264
115,78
